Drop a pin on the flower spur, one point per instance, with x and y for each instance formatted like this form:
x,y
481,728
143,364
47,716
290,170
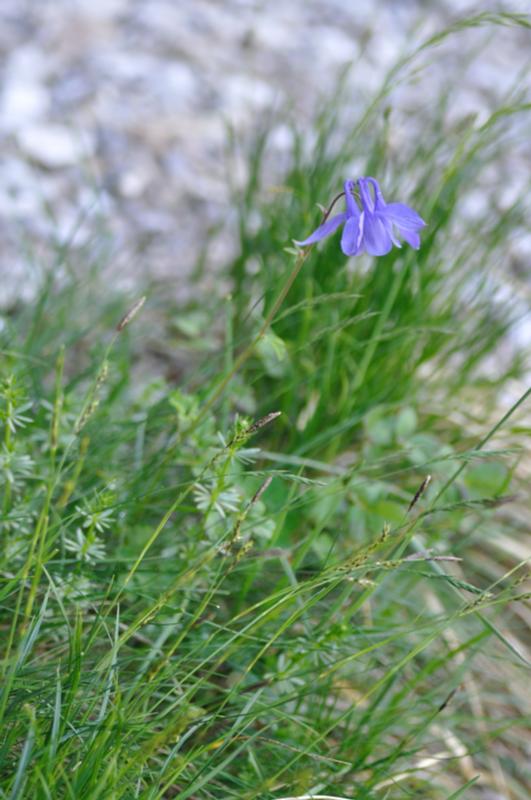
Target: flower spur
x,y
371,228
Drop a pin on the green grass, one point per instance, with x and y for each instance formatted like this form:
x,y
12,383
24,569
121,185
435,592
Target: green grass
x,y
197,606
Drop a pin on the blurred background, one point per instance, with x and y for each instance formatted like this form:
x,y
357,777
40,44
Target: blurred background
x,y
115,116
175,149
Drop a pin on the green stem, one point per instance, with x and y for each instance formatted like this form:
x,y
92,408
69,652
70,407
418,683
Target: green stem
x,y
242,358
249,350
6,505
381,321
482,444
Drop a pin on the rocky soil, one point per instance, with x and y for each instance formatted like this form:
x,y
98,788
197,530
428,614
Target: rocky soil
x,y
113,113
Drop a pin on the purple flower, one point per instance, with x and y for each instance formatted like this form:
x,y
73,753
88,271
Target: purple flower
x,y
373,228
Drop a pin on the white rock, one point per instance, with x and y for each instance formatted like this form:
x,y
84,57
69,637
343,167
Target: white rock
x,y
29,63
134,182
335,48
52,146
100,9
22,103
244,93
281,138
19,190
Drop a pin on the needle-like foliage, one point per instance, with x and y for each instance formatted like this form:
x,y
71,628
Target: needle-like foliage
x,y
202,597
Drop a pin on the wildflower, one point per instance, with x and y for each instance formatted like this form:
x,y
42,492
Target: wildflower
x,y
99,519
85,547
15,466
370,229
207,498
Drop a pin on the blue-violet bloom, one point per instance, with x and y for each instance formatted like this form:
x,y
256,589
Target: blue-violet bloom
x,y
371,228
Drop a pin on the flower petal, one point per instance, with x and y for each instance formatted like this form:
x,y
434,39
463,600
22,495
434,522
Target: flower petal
x,y
350,239
379,202
323,230
352,208
376,238
404,217
390,230
367,200
411,237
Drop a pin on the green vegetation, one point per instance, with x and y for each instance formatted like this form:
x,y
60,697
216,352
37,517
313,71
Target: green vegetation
x,y
202,601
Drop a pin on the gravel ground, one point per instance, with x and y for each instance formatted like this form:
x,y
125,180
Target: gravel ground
x,y
113,113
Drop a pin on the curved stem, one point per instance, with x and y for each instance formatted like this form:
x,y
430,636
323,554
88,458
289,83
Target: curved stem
x,y
249,350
